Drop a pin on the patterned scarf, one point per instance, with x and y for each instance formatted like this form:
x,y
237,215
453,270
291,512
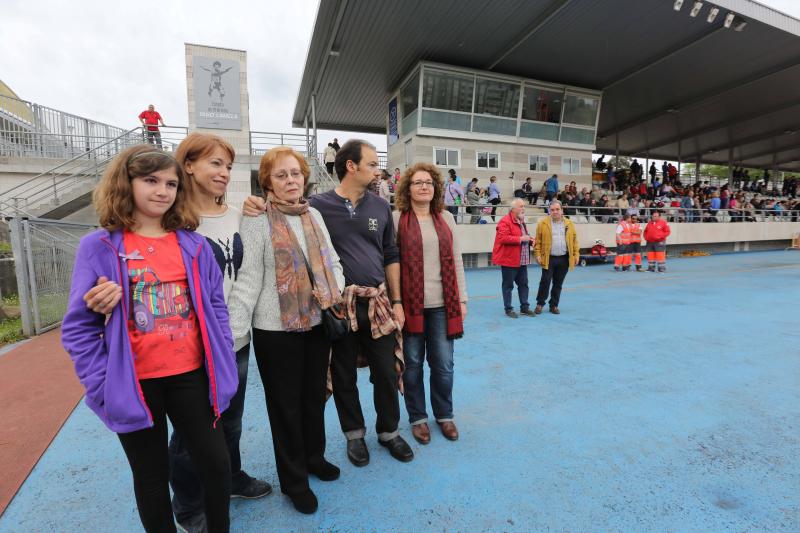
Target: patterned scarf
x,y
295,292
412,275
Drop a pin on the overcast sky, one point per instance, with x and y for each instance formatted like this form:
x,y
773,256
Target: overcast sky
x,y
108,60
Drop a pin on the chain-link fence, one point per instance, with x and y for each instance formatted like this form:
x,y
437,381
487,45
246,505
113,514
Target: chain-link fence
x,y
44,253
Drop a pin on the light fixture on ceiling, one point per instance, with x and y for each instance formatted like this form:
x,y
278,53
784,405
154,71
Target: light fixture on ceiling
x,y
711,151
333,53
678,4
672,110
790,132
729,19
698,5
739,23
712,14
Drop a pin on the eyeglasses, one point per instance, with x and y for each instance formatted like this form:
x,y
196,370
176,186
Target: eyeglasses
x,y
421,184
296,174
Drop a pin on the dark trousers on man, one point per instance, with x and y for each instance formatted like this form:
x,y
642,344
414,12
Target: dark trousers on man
x,y
187,499
294,371
518,275
154,137
554,274
380,356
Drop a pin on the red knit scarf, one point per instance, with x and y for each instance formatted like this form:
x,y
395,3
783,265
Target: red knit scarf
x,y
412,275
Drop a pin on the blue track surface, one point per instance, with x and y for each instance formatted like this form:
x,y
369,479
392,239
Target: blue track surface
x,y
654,402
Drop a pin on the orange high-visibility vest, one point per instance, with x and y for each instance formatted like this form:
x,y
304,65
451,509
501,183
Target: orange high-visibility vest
x,y
636,233
624,237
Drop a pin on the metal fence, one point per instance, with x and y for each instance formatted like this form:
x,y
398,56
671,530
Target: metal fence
x,y
44,253
482,214
28,129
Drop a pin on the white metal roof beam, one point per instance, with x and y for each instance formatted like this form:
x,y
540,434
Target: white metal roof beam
x,y
520,39
716,126
662,56
700,99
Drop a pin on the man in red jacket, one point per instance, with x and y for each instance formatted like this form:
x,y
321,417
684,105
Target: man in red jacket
x,y
512,252
656,233
151,118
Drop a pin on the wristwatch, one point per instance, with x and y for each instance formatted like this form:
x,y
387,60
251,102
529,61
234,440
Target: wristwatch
x,y
395,302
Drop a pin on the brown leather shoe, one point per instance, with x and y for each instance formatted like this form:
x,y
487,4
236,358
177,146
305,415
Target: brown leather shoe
x,y
538,310
554,310
449,430
421,433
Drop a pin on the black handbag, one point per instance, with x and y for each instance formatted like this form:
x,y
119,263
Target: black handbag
x,y
334,318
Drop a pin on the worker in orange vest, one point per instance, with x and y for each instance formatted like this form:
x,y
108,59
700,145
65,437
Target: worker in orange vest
x,y
623,260
656,233
636,242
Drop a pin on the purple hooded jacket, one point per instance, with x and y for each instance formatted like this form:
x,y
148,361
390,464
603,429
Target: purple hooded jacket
x,y
102,354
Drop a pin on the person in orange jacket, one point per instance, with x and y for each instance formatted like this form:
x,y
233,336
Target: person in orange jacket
x,y
656,233
635,247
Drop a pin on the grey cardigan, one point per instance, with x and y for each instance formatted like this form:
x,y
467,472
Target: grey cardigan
x,y
254,298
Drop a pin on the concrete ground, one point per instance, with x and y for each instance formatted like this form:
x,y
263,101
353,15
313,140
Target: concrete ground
x,y
654,402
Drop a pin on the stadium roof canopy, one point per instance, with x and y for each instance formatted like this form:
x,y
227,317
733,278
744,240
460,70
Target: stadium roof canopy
x,y
674,86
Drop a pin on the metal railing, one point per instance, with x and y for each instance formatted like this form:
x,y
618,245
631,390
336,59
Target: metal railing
x,y
44,254
74,176
481,214
28,129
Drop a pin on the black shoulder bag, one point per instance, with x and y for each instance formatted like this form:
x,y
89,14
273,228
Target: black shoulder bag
x,y
334,320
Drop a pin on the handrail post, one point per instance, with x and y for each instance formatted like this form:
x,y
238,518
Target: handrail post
x,y
21,269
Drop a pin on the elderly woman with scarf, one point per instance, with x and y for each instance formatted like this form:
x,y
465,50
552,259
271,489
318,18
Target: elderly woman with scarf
x,y
290,273
434,296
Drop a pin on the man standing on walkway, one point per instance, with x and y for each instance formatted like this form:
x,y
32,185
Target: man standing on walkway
x,y
636,242
656,233
151,118
362,232
512,253
556,249
453,196
622,261
551,187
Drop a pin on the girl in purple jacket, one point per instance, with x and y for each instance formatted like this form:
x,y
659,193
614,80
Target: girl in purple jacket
x,y
166,349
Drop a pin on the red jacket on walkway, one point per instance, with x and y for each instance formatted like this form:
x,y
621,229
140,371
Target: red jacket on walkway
x,y
507,245
656,231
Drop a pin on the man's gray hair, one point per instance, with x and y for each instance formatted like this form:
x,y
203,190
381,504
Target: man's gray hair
x,y
556,202
516,202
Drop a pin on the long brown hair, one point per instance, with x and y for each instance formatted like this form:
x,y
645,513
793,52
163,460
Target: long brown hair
x,y
402,195
113,197
196,146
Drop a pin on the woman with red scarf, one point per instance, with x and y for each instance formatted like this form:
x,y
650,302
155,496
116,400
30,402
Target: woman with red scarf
x,y
434,296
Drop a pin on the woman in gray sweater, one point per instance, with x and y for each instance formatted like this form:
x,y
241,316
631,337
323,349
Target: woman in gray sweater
x,y
290,273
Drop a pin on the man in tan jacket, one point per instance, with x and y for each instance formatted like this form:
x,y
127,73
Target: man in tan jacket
x,y
557,251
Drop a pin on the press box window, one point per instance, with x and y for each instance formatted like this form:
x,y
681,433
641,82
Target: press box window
x,y
570,165
538,163
446,157
488,160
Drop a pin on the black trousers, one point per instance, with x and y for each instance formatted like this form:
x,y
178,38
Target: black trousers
x,y
329,168
555,273
380,355
187,491
184,398
294,371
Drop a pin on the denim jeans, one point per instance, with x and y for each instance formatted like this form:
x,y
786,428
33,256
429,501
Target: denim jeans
x,y
512,275
187,490
439,351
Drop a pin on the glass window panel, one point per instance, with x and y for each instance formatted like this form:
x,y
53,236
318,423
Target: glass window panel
x,y
409,96
409,123
452,158
538,163
533,130
581,110
444,120
497,98
443,90
570,166
488,160
543,105
497,126
577,135
441,156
